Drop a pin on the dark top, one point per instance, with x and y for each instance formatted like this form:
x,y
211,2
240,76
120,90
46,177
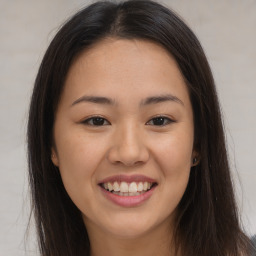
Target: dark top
x,y
253,239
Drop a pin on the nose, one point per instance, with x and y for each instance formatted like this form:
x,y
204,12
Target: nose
x,y
128,147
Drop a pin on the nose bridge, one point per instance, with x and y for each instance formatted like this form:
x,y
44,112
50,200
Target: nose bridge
x,y
130,140
128,145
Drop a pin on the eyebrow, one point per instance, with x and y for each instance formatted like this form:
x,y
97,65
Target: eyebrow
x,y
94,99
160,98
147,101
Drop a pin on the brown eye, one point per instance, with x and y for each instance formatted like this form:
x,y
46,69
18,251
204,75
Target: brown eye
x,y
96,121
160,121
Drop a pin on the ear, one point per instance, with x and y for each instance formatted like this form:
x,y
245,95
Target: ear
x,y
54,157
195,158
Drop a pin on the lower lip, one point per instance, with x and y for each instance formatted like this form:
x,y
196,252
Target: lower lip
x,y
128,201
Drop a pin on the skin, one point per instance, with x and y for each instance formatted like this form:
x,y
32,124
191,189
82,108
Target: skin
x,y
129,141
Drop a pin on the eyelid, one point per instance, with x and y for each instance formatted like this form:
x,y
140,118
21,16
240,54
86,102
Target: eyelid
x,y
88,119
169,120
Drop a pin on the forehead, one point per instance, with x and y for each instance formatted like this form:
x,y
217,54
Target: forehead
x,y
113,54
117,67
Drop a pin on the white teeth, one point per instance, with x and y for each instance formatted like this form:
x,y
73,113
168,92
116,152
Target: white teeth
x,y
145,185
116,186
133,187
110,187
124,187
127,194
134,193
140,186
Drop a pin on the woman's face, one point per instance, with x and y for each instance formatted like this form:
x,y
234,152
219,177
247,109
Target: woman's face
x,y
124,137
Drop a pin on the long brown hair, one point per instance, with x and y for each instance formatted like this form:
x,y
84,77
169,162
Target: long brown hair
x,y
207,221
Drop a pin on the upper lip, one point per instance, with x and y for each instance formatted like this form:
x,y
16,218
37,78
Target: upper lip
x,y
127,178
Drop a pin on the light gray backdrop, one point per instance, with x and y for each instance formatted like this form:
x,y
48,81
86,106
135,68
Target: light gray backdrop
x,y
227,30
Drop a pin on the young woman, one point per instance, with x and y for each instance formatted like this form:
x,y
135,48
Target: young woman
x,y
126,146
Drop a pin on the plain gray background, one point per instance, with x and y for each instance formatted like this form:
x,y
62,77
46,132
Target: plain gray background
x,y
227,31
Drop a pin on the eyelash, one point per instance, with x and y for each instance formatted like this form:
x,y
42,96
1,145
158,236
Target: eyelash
x,y
166,120
91,121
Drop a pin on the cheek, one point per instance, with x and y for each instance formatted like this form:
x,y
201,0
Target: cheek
x,y
175,164
78,152
174,159
78,160
174,154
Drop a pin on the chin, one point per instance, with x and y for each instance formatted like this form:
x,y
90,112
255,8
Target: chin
x,y
130,232
132,227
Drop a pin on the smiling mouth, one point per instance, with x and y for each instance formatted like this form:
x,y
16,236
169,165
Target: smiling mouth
x,y
128,189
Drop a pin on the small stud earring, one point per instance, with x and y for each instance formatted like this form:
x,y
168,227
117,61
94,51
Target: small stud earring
x,y
194,160
53,156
